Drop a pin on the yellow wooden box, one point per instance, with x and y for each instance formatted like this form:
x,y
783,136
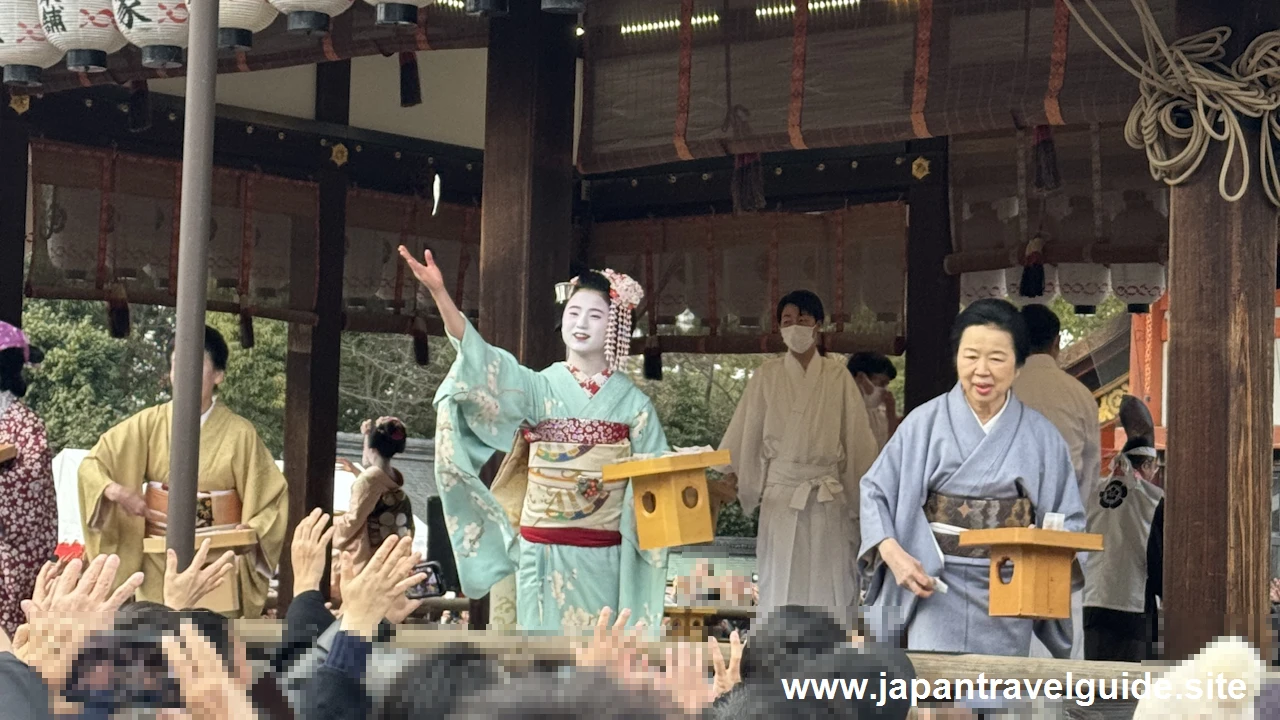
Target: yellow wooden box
x,y
1040,587
225,599
673,506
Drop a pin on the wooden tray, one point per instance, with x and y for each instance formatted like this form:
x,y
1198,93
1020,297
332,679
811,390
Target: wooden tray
x,y
7,452
219,541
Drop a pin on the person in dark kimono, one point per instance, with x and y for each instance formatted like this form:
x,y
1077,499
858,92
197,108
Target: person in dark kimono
x,y
28,503
972,459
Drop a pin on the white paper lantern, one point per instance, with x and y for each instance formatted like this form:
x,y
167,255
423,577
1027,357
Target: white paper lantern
x,y
362,272
24,49
226,238
983,231
404,12
238,20
272,236
143,237
160,28
68,220
1084,285
311,17
1139,285
85,30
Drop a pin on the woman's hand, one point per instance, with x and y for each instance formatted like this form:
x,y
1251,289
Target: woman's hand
x,y
369,595
310,543
907,570
183,590
133,503
427,272
349,466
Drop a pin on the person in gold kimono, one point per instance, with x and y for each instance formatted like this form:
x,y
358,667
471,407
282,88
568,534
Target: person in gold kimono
x,y
113,478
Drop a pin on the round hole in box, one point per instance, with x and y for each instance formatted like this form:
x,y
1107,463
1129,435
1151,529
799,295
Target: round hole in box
x,y
1005,567
650,502
690,496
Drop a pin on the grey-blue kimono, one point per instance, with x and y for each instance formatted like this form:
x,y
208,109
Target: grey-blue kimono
x,y
941,448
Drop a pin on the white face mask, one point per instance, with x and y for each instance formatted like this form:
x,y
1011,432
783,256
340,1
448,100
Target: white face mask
x,y
799,338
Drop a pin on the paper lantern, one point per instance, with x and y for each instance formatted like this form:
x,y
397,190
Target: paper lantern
x,y
399,13
24,49
85,30
238,20
1138,285
362,272
68,220
563,7
1084,285
983,231
143,237
311,17
159,28
272,238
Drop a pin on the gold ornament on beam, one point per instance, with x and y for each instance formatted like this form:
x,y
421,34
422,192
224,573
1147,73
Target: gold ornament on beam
x,y
920,168
338,155
20,104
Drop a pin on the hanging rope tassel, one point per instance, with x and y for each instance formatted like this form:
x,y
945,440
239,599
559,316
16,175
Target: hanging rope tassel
x,y
139,106
1048,179
747,186
1032,285
421,343
119,319
410,82
653,363
246,331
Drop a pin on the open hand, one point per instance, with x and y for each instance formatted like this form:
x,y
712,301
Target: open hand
x,y
208,691
368,597
614,649
684,678
349,466
727,676
183,590
427,272
310,546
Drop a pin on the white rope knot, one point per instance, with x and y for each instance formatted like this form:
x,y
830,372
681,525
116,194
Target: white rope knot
x,y
1190,98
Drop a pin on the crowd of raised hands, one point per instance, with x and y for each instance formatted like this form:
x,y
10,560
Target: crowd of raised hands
x,y
328,667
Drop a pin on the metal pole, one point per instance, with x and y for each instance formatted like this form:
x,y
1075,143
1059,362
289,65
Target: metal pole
x,y
197,197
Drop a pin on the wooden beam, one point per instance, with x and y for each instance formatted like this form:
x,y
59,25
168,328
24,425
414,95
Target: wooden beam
x,y
13,210
1217,519
526,225
933,296
313,363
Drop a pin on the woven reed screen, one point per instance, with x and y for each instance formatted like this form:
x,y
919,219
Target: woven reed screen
x,y
675,79
719,278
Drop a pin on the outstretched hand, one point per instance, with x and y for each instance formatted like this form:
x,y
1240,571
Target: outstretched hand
x,y
427,272
183,590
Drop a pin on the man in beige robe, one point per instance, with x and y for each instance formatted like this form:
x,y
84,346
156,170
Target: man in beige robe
x,y
800,443
1071,408
113,508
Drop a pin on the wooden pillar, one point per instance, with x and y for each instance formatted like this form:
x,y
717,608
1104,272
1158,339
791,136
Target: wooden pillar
x,y
313,363
1221,289
526,219
933,296
526,223
14,168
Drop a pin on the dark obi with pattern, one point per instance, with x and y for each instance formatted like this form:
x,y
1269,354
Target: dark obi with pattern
x,y
976,514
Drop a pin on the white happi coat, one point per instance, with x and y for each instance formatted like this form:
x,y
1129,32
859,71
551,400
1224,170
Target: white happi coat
x,y
800,442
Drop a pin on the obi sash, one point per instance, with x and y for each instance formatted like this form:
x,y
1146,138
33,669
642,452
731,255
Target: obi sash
x,y
566,501
975,514
220,509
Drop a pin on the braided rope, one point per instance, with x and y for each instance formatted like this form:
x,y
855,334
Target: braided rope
x,y
1189,78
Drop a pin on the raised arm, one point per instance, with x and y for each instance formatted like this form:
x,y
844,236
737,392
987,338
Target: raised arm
x,y
428,273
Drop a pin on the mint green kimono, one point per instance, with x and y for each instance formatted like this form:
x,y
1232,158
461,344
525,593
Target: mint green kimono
x,y
484,401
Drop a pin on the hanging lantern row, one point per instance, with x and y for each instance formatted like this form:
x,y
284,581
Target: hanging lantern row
x,y
37,34
498,8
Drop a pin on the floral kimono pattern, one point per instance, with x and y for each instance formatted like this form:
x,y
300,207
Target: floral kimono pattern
x,y
28,509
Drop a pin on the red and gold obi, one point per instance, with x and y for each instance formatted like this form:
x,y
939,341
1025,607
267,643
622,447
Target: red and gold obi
x,y
566,502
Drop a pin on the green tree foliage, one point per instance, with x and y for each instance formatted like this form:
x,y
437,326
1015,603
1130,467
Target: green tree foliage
x,y
1078,327
380,377
255,382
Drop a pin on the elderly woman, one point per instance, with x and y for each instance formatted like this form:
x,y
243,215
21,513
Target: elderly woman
x,y
28,505
971,459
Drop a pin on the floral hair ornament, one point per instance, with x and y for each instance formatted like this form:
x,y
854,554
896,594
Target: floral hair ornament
x,y
625,295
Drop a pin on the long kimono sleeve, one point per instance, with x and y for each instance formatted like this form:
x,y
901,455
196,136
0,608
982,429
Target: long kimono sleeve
x,y
642,586
744,440
348,527
120,456
264,494
1060,493
480,406
860,444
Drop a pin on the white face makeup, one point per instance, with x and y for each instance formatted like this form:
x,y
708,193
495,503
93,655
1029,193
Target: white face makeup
x,y
584,324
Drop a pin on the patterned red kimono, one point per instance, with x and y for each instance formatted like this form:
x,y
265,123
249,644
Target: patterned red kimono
x,y
28,510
